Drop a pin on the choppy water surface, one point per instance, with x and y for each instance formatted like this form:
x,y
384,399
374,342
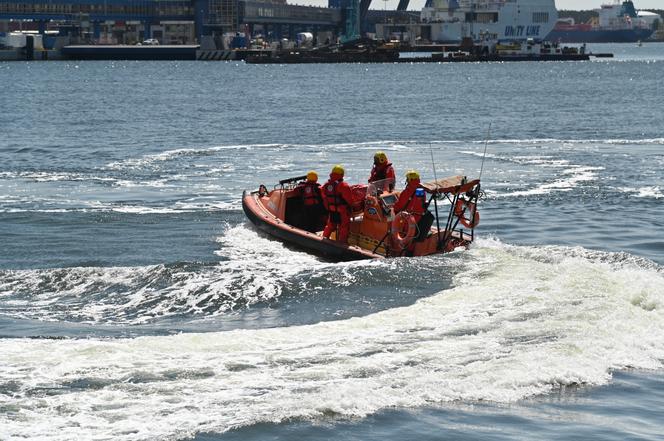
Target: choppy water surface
x,y
136,301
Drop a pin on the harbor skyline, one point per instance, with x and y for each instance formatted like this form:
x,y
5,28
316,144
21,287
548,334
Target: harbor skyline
x,y
416,5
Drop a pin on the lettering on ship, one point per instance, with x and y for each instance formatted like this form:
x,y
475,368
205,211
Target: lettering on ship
x,y
521,31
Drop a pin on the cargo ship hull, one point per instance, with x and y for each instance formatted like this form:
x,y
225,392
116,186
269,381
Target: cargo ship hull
x,y
615,23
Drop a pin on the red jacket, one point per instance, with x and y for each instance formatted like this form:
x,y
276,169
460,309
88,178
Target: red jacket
x,y
409,202
382,172
310,192
337,195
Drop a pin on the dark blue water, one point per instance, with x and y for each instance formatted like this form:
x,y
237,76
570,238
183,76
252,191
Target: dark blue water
x,y
137,302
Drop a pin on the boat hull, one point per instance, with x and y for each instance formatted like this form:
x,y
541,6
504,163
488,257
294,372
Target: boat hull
x,y
265,221
374,231
600,36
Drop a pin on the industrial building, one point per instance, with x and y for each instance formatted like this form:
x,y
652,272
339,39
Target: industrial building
x,y
177,21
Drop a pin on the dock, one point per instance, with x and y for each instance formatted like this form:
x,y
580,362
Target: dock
x,y
356,51
127,52
366,50
395,57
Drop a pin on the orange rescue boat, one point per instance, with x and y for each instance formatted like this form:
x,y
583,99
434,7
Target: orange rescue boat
x,y
375,232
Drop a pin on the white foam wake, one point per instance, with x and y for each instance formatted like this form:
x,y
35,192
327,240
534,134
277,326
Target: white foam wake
x,y
255,269
80,206
179,153
524,321
567,176
559,141
653,192
570,179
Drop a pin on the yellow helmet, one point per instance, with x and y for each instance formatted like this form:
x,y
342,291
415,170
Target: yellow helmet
x,y
312,176
338,169
412,174
380,158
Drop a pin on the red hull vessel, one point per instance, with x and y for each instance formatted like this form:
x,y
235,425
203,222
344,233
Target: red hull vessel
x,y
375,231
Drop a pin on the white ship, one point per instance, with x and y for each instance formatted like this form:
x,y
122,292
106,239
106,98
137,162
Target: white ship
x,y
450,21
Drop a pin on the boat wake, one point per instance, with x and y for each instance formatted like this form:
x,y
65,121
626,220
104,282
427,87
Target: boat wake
x,y
560,141
653,192
560,174
517,322
253,270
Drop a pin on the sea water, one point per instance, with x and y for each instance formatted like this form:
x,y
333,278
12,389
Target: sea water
x,y
138,303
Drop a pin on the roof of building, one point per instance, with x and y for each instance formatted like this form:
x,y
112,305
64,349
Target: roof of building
x,y
648,14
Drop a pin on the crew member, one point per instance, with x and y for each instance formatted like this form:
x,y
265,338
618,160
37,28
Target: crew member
x,y
413,200
312,202
338,200
382,169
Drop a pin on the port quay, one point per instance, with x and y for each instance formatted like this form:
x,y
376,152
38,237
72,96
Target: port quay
x,y
204,23
169,21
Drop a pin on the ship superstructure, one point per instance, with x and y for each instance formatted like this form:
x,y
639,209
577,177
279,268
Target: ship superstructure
x,y
450,21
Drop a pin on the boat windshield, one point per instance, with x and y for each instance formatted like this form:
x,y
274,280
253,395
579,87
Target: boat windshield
x,y
377,188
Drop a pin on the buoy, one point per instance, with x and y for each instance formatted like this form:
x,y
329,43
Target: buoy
x,y
404,229
464,209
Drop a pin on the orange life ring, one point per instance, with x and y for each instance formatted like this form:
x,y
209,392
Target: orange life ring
x,y
463,210
404,229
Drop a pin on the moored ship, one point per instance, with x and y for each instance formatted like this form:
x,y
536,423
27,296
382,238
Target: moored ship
x,y
617,23
452,21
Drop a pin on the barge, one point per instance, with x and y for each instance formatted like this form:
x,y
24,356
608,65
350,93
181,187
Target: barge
x,y
371,51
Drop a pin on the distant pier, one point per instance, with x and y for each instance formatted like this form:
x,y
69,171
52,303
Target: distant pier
x,y
364,51
126,52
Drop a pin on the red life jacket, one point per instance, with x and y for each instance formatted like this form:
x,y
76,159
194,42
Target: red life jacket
x,y
333,198
310,192
410,202
416,205
380,173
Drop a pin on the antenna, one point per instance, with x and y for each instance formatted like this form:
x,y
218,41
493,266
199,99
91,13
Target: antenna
x,y
433,163
435,196
486,142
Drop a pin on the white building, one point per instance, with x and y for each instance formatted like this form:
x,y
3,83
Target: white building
x,y
650,17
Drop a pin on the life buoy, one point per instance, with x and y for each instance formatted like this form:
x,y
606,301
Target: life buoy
x,y
404,229
464,209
